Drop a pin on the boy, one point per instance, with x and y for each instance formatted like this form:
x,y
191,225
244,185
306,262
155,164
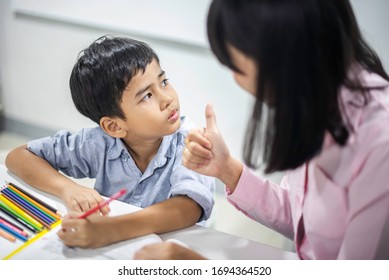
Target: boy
x,y
138,145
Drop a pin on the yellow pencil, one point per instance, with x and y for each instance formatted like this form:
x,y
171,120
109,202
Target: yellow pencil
x,y
39,206
28,212
11,205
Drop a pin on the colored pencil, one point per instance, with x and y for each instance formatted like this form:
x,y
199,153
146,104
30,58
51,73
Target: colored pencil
x,y
40,206
12,232
28,212
102,204
25,206
17,210
9,213
8,192
14,227
11,221
36,199
7,236
31,203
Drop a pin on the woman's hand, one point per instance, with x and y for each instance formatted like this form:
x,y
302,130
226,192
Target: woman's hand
x,y
166,251
80,198
207,153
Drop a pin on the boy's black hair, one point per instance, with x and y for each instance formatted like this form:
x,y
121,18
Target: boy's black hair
x,y
304,51
102,72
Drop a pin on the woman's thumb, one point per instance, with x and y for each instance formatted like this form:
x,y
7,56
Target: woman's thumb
x,y
210,118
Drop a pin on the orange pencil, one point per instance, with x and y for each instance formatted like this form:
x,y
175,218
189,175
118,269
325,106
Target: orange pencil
x,y
28,212
21,213
7,236
35,203
36,199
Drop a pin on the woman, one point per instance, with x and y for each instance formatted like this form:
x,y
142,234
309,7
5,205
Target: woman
x,y
326,126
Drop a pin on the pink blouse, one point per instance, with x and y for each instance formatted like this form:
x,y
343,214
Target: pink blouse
x,y
343,208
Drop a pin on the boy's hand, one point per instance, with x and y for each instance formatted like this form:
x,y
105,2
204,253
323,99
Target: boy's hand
x,y
80,198
206,151
91,232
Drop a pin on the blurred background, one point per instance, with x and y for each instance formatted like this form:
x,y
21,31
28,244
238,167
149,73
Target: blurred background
x,y
40,41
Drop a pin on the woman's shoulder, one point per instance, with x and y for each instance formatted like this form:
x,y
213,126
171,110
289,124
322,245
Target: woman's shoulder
x,y
367,112
368,130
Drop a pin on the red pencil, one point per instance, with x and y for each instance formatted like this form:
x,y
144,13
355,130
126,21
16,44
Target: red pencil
x,y
102,204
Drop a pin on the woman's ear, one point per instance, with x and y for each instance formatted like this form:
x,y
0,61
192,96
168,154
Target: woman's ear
x,y
112,127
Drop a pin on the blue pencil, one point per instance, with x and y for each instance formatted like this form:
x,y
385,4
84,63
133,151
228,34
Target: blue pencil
x,y
25,205
33,203
14,233
34,218
17,219
41,214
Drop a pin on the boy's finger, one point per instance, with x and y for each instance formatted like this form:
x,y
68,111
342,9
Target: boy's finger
x,y
105,210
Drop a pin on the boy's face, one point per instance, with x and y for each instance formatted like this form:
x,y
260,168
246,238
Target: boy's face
x,y
150,105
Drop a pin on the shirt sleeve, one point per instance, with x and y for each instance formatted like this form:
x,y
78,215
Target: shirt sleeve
x,y
368,203
263,201
72,154
198,187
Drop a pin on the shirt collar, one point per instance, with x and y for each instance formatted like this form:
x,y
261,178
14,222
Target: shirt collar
x,y
165,149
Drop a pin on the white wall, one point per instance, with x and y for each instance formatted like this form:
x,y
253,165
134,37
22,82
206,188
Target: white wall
x,y
44,38
40,40
373,20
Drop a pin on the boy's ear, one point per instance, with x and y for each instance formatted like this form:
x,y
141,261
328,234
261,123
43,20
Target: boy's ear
x,y
112,127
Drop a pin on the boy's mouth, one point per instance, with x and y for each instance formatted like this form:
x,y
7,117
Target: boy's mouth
x,y
173,116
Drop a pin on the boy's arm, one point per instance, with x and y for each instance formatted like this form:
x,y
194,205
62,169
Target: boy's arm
x,y
169,215
97,231
40,174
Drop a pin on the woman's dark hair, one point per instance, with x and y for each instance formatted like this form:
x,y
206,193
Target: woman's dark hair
x,y
102,72
304,50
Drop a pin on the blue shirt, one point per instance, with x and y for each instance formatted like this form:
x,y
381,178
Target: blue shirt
x,y
94,154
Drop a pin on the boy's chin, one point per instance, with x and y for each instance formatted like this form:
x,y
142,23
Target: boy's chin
x,y
174,127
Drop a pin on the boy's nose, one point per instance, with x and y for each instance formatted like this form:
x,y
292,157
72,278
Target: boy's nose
x,y
166,100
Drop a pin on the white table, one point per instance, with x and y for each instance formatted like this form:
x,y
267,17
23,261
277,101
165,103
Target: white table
x,y
208,242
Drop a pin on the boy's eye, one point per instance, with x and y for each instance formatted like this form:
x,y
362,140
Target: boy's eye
x,y
164,82
146,97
